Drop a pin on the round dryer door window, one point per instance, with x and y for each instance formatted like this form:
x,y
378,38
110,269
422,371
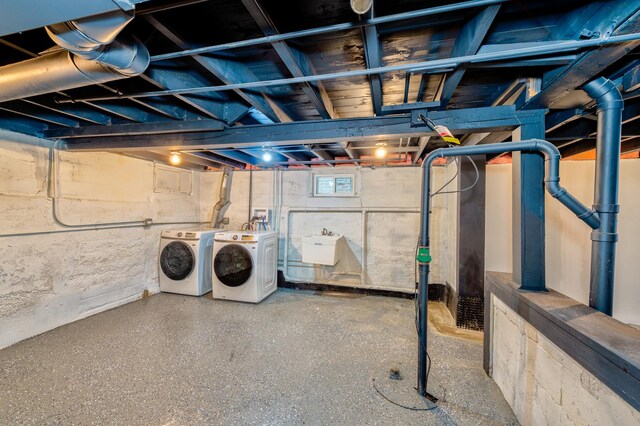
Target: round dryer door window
x,y
177,260
233,265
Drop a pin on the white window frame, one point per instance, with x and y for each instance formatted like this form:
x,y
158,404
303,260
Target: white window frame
x,y
335,176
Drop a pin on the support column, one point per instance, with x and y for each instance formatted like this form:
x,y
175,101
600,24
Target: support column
x,y
469,311
528,210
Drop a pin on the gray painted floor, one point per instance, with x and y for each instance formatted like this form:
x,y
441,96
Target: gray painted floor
x,y
296,358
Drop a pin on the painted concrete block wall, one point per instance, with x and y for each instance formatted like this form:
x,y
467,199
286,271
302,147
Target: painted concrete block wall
x,y
568,253
391,237
542,384
56,275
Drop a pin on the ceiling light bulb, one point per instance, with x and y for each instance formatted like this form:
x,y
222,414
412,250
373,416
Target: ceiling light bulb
x,y
175,158
381,151
361,6
266,156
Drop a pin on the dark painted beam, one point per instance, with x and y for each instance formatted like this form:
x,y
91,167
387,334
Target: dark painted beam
x,y
557,119
276,157
461,121
164,159
46,116
21,125
372,52
323,155
296,62
229,72
238,156
223,161
468,42
408,107
77,112
631,79
169,77
625,15
129,129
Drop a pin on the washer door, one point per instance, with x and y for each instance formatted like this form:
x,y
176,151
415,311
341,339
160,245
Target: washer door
x,y
233,265
177,260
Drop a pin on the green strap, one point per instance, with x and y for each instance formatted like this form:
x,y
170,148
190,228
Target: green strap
x,y
423,255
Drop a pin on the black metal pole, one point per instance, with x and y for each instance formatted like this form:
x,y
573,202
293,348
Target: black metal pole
x,y
552,184
603,239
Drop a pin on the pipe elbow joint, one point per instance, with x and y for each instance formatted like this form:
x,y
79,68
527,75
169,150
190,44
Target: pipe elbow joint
x,y
605,93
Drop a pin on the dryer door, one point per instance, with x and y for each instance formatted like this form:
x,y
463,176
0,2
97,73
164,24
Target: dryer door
x,y
177,260
233,265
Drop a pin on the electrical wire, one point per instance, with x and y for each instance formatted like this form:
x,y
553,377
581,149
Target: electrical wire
x,y
473,163
406,407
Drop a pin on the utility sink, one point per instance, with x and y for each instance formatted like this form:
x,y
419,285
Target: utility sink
x,y
322,249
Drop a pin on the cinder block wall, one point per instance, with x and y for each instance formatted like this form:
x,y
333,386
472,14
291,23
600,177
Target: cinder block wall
x,y
51,275
542,384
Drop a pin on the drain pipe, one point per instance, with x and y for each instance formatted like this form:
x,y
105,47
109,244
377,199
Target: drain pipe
x,y
552,184
224,202
92,52
603,239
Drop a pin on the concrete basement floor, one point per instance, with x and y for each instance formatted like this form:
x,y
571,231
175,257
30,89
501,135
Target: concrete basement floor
x,y
296,358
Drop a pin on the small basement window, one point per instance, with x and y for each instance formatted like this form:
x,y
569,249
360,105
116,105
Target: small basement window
x,y
325,185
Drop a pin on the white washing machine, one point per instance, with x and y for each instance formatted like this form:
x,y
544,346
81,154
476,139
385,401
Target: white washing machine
x,y
185,261
245,265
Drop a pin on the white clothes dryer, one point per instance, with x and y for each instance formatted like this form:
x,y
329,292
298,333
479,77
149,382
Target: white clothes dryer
x,y
184,262
245,265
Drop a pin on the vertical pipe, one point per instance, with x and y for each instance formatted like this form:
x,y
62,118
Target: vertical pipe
x,y
423,277
603,239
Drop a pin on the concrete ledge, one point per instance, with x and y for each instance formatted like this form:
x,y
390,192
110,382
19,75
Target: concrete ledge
x,y
603,346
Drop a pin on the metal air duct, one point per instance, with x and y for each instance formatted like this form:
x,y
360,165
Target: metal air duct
x,y
93,55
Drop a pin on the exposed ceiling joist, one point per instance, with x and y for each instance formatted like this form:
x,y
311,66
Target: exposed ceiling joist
x,y
229,72
625,16
296,62
468,42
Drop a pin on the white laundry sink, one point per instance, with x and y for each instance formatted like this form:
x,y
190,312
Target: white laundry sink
x,y
322,249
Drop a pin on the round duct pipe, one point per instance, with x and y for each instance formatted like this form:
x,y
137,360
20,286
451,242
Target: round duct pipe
x,y
94,54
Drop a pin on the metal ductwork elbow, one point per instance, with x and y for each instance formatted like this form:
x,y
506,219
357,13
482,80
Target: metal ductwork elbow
x,y
93,53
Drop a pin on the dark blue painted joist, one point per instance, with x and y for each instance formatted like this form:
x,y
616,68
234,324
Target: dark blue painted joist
x,y
468,42
276,157
462,121
223,161
22,125
556,84
129,129
296,62
37,113
229,72
557,119
372,52
169,76
77,112
239,156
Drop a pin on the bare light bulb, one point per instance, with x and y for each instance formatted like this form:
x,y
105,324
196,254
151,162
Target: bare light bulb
x,y
175,158
361,6
381,151
266,156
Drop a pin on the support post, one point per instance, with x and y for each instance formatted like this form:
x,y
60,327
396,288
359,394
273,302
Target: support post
x,y
528,210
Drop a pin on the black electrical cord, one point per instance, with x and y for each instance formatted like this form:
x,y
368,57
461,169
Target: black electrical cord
x,y
473,163
406,407
432,125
